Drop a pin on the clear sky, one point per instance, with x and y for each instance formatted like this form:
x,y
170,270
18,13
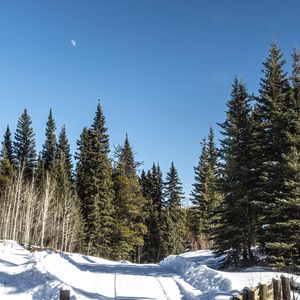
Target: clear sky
x,y
163,68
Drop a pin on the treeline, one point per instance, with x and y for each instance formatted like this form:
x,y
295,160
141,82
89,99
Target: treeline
x,y
251,196
99,207
245,194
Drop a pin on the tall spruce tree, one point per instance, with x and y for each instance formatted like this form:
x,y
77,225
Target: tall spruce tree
x,y
174,225
6,163
95,186
278,143
49,148
7,147
24,145
234,235
199,212
205,195
129,206
63,151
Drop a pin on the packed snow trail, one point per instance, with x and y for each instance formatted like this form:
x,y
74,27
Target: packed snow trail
x,y
41,275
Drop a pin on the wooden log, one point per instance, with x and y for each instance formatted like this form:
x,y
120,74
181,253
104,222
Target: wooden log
x,y
248,294
64,295
286,288
277,289
263,292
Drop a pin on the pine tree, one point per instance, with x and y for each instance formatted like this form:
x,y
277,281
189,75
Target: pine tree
x,y
152,188
234,235
200,212
129,204
63,151
24,145
212,152
174,227
95,186
7,148
127,158
278,141
101,131
205,195
40,173
49,148
6,163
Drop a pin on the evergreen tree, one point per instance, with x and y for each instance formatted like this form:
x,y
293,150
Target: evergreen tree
x,y
278,144
205,195
63,151
127,158
129,205
24,145
7,148
212,152
200,211
40,173
6,163
152,188
95,187
234,235
49,148
101,131
174,230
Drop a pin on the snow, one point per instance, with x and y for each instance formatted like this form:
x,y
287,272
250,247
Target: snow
x,y
194,275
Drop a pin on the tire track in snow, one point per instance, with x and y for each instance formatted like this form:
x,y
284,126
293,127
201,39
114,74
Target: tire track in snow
x,y
162,287
115,286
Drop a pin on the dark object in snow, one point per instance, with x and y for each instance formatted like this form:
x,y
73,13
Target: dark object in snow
x,y
64,295
286,288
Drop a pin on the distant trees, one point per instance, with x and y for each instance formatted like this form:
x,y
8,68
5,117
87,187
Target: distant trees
x,y
103,208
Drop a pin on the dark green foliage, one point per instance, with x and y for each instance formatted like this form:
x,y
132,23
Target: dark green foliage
x,y
152,188
205,195
49,148
277,161
101,131
6,163
7,148
24,145
174,233
40,173
95,187
129,207
278,149
200,212
127,158
63,152
234,232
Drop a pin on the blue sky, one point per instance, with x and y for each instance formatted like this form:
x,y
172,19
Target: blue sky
x,y
163,68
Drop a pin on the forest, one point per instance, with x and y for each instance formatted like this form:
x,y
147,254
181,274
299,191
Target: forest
x,y
244,204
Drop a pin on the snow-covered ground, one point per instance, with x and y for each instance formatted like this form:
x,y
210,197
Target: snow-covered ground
x,y
41,275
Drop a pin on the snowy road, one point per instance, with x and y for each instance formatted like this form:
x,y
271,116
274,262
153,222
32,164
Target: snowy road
x,y
190,276
41,275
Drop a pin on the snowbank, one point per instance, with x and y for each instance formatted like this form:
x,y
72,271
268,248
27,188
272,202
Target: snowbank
x,y
199,270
